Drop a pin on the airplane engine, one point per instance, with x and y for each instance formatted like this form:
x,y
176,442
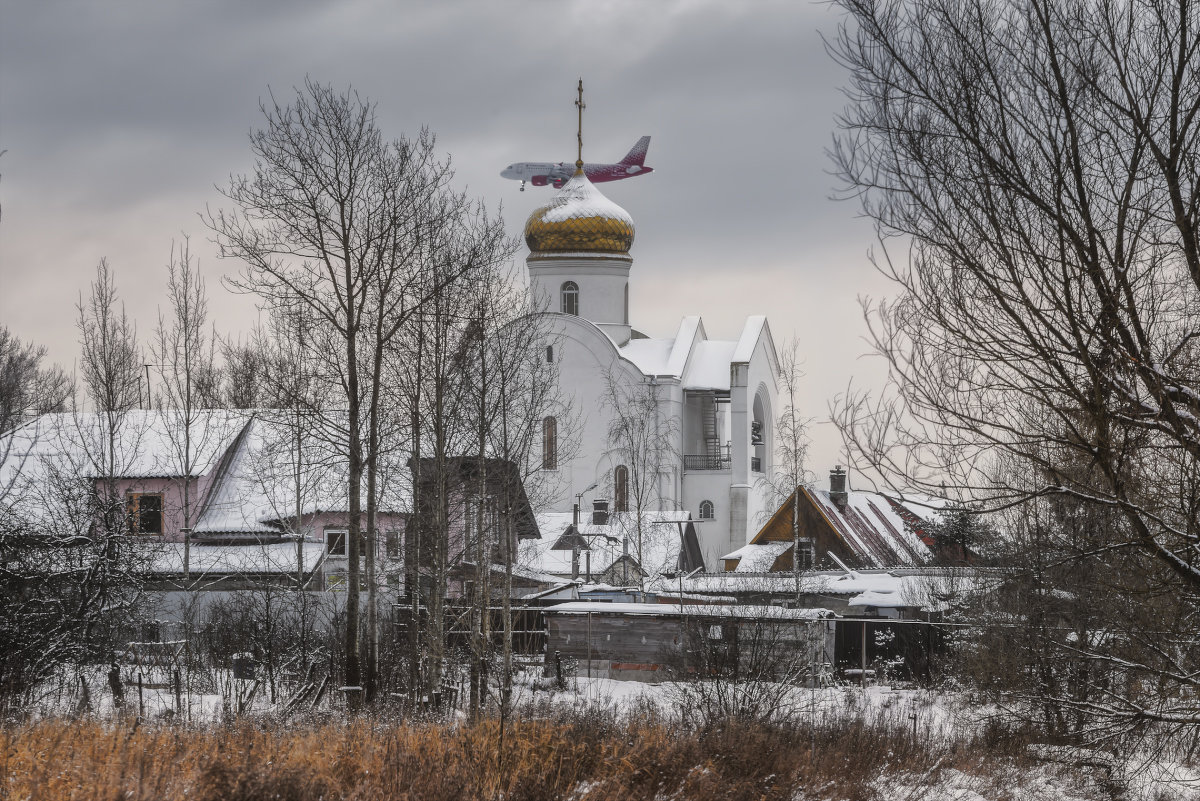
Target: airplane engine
x,y
538,180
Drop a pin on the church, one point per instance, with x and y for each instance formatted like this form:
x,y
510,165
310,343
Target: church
x,y
706,407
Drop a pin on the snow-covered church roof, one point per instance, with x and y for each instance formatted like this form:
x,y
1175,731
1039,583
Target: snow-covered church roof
x,y
698,362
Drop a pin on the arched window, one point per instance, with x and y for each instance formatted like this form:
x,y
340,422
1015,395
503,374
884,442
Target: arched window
x,y
549,354
550,444
570,298
621,489
706,510
627,304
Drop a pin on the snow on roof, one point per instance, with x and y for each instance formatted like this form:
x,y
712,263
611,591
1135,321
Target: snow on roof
x,y
710,364
680,610
699,362
661,542
148,444
930,589
691,330
651,356
256,487
276,557
873,528
758,558
751,333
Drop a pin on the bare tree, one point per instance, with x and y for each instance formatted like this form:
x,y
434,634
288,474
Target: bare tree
x,y
640,436
185,351
27,388
791,465
1038,160
341,224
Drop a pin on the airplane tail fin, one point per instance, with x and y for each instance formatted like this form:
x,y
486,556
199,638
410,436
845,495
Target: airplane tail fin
x,y
638,154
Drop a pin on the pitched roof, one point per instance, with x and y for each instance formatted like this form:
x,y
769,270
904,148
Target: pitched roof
x,y
662,542
149,443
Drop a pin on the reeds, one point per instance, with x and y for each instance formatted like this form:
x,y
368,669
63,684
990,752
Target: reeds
x,y
584,754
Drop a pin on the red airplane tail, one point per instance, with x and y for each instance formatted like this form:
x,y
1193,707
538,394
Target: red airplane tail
x,y
637,156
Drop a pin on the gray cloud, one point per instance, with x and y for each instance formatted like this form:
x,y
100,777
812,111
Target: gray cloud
x,y
119,118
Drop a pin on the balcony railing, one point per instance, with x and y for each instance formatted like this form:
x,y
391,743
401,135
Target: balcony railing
x,y
707,461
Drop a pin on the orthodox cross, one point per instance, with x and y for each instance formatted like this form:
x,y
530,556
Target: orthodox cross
x,y
580,105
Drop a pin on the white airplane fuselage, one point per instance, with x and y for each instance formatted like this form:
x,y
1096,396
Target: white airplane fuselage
x,y
548,173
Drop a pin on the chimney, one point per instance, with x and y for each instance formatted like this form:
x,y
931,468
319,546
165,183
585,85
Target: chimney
x,y
599,513
837,487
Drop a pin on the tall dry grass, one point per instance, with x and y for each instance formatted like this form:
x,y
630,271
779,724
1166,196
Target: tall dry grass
x,y
585,755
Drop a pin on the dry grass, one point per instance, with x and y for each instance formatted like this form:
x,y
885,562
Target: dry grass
x,y
584,755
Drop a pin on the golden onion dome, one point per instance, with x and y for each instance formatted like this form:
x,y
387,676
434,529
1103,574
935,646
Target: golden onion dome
x,y
579,220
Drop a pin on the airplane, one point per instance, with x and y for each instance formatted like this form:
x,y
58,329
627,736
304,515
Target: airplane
x,y
543,173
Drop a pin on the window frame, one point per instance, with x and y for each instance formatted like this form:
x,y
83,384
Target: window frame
x,y
568,295
620,488
550,443
133,510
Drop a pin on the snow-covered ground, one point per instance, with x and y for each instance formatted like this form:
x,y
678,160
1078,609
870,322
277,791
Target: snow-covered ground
x,y
1068,774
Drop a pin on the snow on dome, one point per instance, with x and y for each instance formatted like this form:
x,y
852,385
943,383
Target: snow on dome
x,y
579,220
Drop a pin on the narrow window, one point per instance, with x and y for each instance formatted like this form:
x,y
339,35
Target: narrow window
x,y
706,510
550,444
392,544
549,354
145,512
621,489
570,298
627,304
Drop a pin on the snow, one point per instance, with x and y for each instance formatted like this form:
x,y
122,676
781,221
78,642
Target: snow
x,y
579,198
752,332
873,528
710,365
930,589
662,541
149,443
679,610
758,558
277,557
651,356
700,363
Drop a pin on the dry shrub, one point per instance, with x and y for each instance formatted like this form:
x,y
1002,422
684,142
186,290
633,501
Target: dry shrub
x,y
587,756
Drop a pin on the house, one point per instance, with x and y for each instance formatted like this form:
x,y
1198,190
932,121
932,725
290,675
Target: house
x,y
841,527
246,504
482,504
611,548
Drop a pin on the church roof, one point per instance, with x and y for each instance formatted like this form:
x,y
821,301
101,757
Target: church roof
x,y
579,219
698,362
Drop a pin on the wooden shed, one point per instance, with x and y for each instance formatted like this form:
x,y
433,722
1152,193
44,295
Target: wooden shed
x,y
663,642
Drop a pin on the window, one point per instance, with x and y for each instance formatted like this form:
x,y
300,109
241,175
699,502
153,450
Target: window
x,y
392,544
550,444
627,304
621,489
549,354
570,298
145,512
336,540
706,510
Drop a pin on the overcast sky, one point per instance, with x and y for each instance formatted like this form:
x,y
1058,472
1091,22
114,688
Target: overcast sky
x,y
120,117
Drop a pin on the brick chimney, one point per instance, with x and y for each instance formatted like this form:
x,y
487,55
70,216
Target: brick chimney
x,y
837,487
